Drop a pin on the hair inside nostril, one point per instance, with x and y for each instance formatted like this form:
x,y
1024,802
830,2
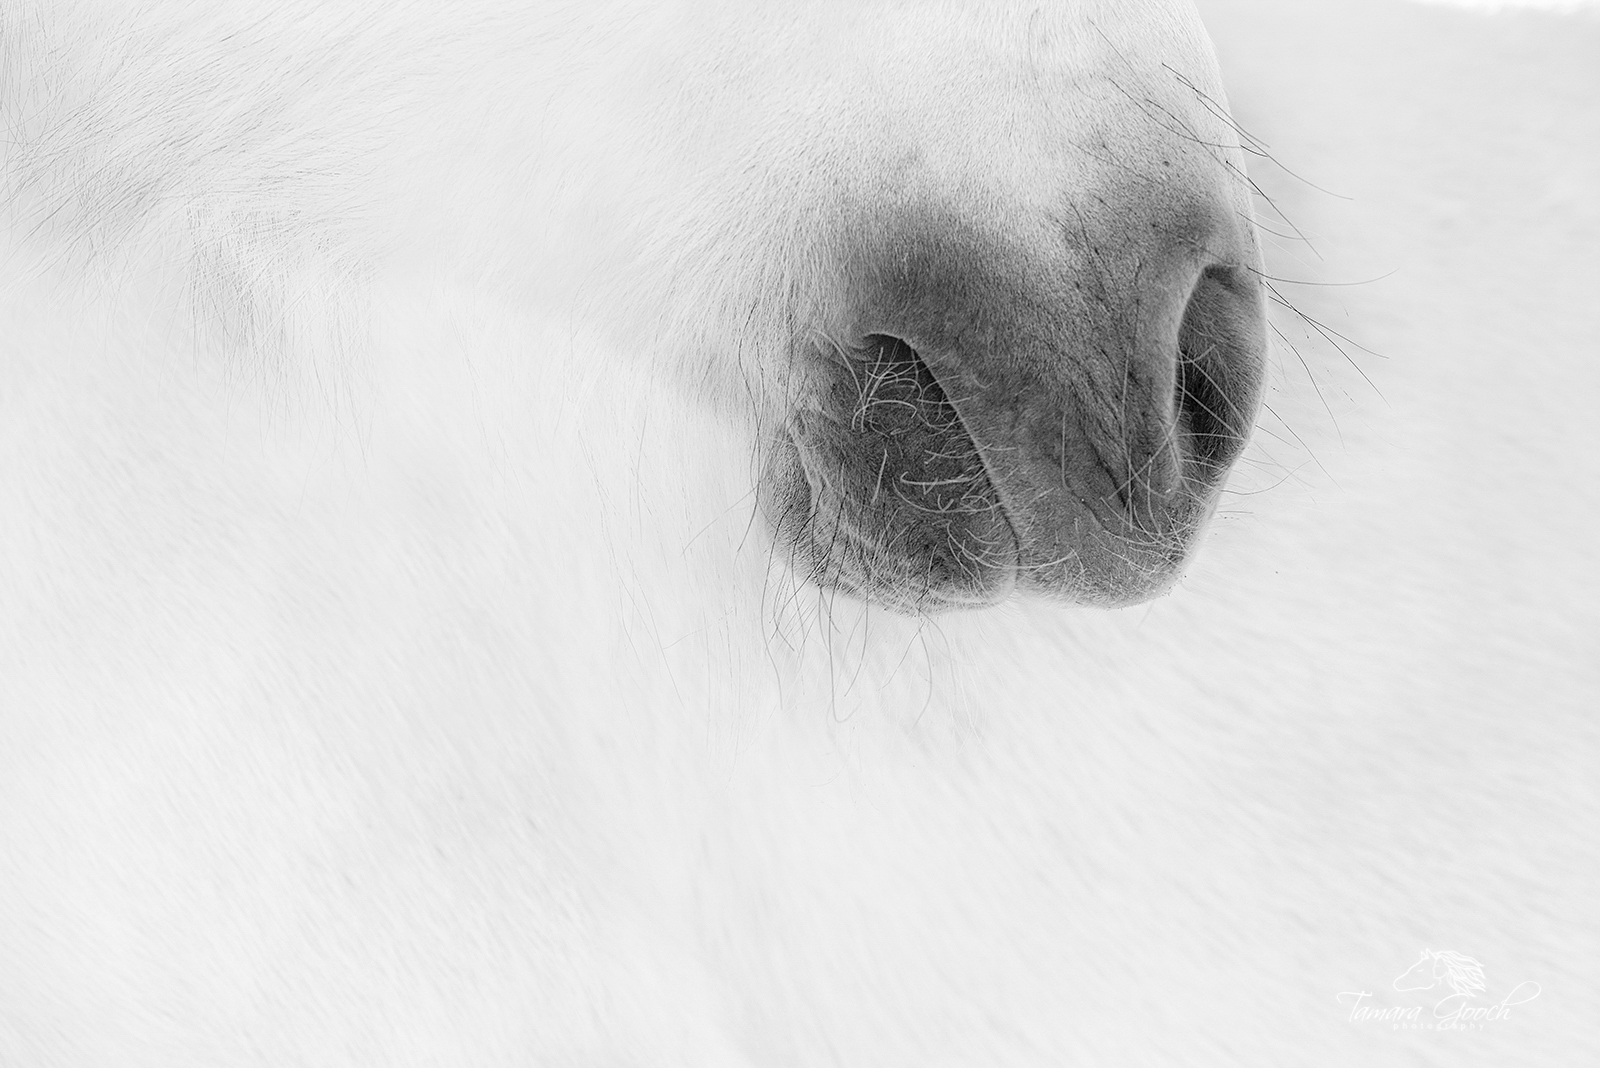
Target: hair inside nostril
x,y
897,501
1205,415
895,391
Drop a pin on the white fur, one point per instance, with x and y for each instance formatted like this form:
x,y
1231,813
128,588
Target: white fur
x,y
394,669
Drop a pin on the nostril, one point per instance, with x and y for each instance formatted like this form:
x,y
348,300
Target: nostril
x,y
1215,384
891,491
896,391
1206,417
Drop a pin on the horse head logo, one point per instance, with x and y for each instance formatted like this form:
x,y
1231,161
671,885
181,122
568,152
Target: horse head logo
x,y
1462,974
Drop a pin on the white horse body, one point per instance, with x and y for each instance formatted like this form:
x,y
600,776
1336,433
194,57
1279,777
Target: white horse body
x,y
375,693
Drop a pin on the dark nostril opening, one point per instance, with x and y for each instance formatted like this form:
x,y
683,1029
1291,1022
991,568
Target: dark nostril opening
x,y
1216,365
896,393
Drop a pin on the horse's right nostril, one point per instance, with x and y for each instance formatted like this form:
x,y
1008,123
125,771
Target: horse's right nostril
x,y
1218,372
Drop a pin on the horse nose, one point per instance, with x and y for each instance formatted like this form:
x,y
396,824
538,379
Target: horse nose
x,y
1052,405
